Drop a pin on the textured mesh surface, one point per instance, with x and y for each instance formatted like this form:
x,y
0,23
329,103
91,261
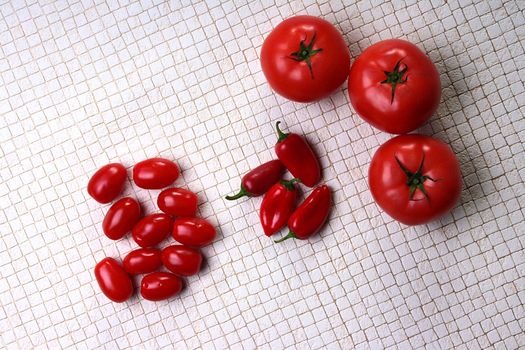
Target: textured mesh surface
x,y
84,84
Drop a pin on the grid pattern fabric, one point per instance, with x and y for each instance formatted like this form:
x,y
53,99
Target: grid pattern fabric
x,y
87,83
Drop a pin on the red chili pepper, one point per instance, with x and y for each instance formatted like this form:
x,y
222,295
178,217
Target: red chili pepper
x,y
310,216
277,206
298,157
259,180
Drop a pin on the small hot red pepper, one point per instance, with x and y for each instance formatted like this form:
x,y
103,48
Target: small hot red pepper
x,y
298,157
259,180
277,206
310,216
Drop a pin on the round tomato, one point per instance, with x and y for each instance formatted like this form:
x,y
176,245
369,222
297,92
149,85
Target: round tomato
x,y
305,58
121,218
107,183
177,202
415,178
155,173
194,232
152,229
394,86
114,282
142,260
182,260
160,285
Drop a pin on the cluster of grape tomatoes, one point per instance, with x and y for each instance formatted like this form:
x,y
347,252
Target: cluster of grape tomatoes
x,y
278,207
394,87
178,209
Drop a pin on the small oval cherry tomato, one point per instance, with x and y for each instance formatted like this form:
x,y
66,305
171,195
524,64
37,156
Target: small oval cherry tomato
x,y
107,183
177,202
142,260
194,232
160,285
152,229
182,260
121,218
155,173
114,282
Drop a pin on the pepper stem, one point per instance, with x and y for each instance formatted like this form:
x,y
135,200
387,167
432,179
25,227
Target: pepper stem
x,y
289,184
282,135
242,193
288,236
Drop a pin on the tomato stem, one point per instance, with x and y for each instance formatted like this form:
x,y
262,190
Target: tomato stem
x,y
288,236
242,192
305,53
395,77
416,180
282,135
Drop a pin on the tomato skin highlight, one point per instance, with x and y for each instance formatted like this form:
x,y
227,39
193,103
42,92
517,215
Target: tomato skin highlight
x,y
259,180
193,232
114,282
298,157
155,173
277,206
142,260
177,202
414,100
160,286
107,182
121,218
182,260
152,229
388,181
291,77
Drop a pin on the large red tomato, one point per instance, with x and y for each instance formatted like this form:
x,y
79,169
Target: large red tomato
x,y
305,58
394,86
415,178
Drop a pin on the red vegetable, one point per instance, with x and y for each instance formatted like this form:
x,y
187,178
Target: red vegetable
x,y
160,286
414,178
182,260
142,260
277,206
298,157
305,58
259,180
310,216
152,229
107,183
177,202
114,282
194,232
121,218
155,173
394,86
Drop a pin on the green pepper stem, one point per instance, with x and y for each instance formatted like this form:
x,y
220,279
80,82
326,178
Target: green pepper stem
x,y
289,184
242,193
288,236
281,134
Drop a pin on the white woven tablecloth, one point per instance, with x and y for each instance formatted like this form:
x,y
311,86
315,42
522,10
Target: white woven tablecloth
x,y
84,84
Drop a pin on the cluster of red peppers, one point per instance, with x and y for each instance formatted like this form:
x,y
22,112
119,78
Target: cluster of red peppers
x,y
278,207
178,207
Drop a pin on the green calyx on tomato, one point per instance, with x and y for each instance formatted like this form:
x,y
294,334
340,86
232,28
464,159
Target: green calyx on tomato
x,y
305,53
395,77
282,135
415,180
